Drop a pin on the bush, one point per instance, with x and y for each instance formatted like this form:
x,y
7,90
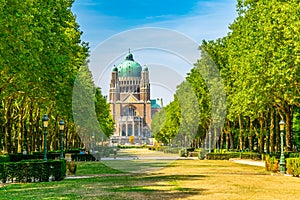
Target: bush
x,y
272,164
253,156
218,156
294,155
35,155
293,166
193,154
32,171
4,158
82,157
161,148
131,146
182,153
72,150
228,155
71,167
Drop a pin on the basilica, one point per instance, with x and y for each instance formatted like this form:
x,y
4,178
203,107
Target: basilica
x,y
130,103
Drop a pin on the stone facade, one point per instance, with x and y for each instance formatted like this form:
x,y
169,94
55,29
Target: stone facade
x,y
130,104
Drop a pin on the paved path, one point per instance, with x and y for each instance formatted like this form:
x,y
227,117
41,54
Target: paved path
x,y
250,162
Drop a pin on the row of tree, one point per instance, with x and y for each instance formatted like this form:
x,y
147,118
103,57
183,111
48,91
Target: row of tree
x,y
41,57
259,65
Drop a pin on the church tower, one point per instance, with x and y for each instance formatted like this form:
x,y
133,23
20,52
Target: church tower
x,y
130,104
145,85
114,93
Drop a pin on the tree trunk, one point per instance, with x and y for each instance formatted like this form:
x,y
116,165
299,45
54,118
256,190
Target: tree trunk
x,y
231,140
272,134
288,124
8,143
215,144
250,136
261,136
30,127
277,132
221,139
241,133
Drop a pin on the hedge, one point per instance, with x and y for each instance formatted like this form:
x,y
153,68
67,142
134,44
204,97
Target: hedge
x,y
293,166
50,156
32,171
4,158
227,156
82,157
294,155
131,146
35,155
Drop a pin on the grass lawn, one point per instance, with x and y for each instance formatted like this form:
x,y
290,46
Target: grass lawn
x,y
182,179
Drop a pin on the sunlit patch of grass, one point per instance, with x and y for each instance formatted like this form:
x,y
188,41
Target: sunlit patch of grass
x,y
88,168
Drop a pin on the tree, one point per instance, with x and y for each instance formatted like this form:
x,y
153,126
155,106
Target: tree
x,y
42,53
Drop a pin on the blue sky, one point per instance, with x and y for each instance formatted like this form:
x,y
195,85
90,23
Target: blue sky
x,y
196,19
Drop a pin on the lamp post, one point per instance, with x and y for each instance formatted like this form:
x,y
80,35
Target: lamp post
x,y
282,159
61,128
93,145
209,141
45,125
169,145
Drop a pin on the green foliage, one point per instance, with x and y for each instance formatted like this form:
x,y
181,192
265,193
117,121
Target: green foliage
x,y
131,146
296,127
182,153
165,124
41,55
82,157
259,65
293,166
293,155
72,150
90,109
228,155
4,158
33,171
103,114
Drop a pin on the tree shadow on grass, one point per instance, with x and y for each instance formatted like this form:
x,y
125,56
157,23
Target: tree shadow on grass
x,y
157,186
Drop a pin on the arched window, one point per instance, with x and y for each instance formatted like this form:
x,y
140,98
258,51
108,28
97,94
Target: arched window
x,y
129,111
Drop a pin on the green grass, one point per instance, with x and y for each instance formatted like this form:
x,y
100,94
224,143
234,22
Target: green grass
x,y
88,168
183,179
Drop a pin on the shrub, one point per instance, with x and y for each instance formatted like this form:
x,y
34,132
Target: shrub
x,y
4,158
272,164
83,157
294,155
182,153
32,171
218,156
130,146
293,166
71,167
193,154
253,156
73,150
228,155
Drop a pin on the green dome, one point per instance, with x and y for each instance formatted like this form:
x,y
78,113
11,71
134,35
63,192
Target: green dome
x,y
115,69
129,68
145,69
